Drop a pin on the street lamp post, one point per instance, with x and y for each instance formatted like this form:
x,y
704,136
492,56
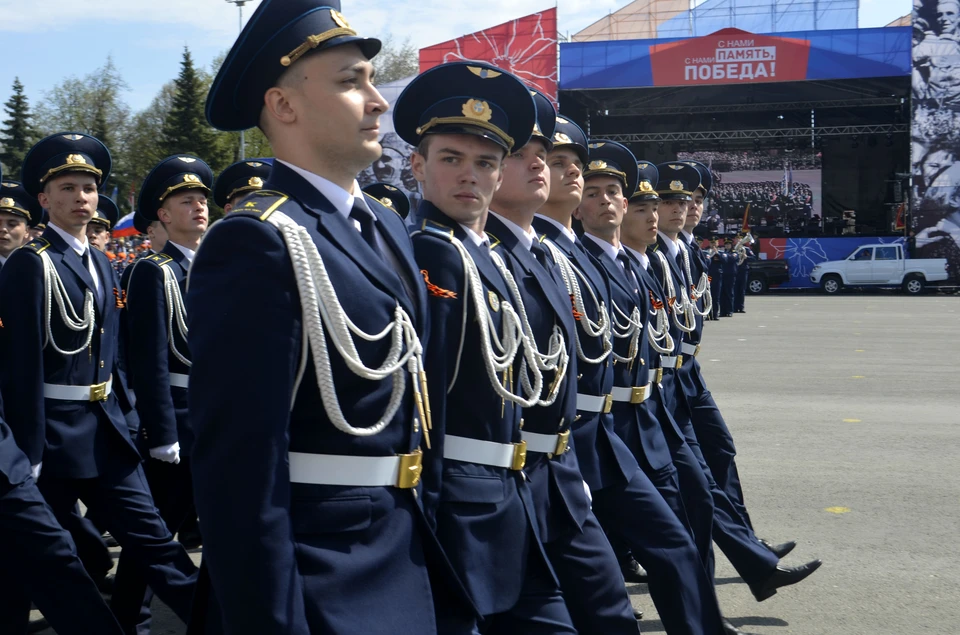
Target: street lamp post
x,y
240,3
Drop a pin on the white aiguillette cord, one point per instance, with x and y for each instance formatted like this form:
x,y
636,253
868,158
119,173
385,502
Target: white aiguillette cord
x,y
55,291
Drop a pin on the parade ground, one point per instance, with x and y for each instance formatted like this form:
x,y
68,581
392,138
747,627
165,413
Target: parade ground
x,y
846,414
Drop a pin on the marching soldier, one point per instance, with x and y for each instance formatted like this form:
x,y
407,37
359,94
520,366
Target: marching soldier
x,y
744,256
238,180
715,271
59,399
729,273
106,216
475,492
307,456
19,213
391,197
175,195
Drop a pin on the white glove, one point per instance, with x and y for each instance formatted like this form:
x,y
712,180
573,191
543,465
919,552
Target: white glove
x,y
167,453
586,488
35,470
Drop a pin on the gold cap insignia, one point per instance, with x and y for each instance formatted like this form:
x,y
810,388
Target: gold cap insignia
x,y
255,181
676,185
484,73
559,137
675,167
645,186
6,184
191,178
593,146
337,17
387,202
7,202
643,166
254,164
476,109
76,158
390,188
73,137
597,165
187,159
494,301
536,129
562,120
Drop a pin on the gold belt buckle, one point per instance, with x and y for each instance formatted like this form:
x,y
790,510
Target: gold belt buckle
x,y
519,455
658,376
696,351
563,442
98,392
638,394
607,403
679,362
411,465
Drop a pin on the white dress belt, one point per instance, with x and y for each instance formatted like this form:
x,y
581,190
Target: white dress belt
x,y
655,375
179,380
671,362
97,392
547,443
401,470
594,403
634,395
689,349
483,452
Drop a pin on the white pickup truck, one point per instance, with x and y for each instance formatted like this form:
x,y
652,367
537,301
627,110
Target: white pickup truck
x,y
879,266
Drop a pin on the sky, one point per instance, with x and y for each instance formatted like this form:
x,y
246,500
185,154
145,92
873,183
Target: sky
x,y
47,41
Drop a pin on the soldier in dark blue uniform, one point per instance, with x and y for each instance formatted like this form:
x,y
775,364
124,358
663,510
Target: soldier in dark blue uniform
x,y
589,582
18,213
729,273
238,180
59,399
307,456
699,263
744,256
475,491
391,197
175,194
715,271
692,406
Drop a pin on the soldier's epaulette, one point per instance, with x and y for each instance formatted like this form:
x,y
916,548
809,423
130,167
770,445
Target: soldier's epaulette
x,y
160,259
37,245
434,228
386,202
494,241
262,208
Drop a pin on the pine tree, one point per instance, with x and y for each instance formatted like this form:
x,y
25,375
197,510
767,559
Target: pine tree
x,y
185,129
18,132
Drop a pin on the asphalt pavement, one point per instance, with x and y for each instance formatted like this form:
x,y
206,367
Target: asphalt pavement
x,y
846,415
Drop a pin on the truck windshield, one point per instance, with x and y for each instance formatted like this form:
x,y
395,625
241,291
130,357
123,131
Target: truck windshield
x,y
863,254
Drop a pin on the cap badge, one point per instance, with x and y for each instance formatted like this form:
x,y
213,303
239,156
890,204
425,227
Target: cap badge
x,y
643,166
255,181
559,137
191,178
673,166
562,120
390,188
254,164
597,145
386,202
7,202
476,109
484,73
645,186
337,17
536,129
73,137
597,165
676,185
187,159
6,184
76,159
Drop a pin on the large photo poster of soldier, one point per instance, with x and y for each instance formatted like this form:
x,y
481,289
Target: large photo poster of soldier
x,y
778,191
935,134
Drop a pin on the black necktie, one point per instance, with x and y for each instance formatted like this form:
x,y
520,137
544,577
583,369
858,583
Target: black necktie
x,y
365,219
85,258
539,253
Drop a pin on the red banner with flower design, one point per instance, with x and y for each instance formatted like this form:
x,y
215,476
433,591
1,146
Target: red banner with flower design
x,y
527,47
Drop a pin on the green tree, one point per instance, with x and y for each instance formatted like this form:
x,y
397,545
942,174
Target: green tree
x,y
185,129
18,133
396,61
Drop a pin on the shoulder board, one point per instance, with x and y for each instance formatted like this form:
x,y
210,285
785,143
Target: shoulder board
x,y
262,203
382,204
655,247
542,237
494,241
436,229
159,259
37,245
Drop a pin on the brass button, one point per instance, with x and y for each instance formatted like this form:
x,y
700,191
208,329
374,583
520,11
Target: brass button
x,y
101,363
101,331
521,423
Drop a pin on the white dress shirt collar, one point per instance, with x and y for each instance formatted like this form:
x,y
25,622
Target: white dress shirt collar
x,y
687,236
641,256
72,241
188,253
341,199
477,239
566,231
671,245
608,249
526,237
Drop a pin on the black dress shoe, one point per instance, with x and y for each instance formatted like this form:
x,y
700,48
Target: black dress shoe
x,y
784,576
726,315
633,572
36,626
730,629
780,550
638,614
